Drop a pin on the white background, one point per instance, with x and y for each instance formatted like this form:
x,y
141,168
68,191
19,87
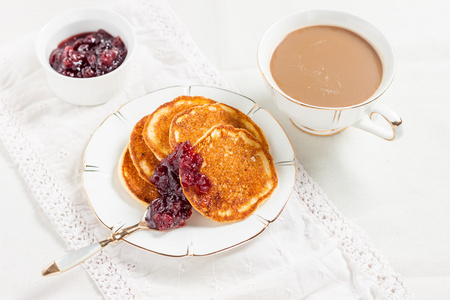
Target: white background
x,y
398,192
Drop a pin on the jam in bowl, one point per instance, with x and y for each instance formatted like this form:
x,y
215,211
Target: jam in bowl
x,y
86,54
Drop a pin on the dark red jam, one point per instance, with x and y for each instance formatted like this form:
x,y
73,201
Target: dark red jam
x,y
88,54
172,208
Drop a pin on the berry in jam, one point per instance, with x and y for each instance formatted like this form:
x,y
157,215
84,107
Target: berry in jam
x,y
88,54
172,208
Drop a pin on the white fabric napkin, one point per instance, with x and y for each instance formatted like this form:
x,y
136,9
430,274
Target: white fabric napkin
x,y
311,251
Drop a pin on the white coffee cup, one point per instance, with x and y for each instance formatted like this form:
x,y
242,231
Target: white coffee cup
x,y
325,121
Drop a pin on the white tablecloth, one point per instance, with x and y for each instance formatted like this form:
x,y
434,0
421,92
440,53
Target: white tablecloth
x,y
397,192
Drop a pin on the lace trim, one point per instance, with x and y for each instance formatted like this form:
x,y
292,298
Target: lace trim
x,y
55,202
57,205
60,207
353,240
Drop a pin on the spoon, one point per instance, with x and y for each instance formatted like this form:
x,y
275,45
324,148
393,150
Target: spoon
x,y
164,213
76,257
168,211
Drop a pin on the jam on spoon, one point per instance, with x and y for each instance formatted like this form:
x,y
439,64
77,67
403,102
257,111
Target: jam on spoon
x,y
88,54
169,211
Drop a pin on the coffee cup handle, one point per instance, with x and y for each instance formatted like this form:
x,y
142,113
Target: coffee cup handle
x,y
367,123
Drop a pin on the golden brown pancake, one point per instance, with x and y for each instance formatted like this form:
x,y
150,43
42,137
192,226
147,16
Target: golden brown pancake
x,y
156,130
138,188
241,172
191,124
143,158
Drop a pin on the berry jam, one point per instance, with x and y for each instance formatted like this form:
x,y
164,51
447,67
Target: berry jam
x,y
88,54
172,208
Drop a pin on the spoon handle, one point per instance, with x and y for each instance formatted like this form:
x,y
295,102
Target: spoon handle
x,y
76,257
71,259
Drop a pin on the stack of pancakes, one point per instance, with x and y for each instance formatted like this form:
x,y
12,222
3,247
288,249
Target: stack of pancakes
x,y
235,153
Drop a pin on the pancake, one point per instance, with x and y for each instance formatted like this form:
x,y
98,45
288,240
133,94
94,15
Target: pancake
x,y
143,158
241,172
156,129
139,189
193,123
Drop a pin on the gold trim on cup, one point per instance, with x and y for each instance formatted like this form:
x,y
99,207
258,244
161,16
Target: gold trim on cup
x,y
316,132
392,124
336,117
374,97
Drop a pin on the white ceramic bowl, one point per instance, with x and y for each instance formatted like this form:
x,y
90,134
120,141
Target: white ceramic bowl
x,y
86,91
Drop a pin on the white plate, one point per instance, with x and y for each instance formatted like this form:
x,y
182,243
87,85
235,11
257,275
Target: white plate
x,y
200,236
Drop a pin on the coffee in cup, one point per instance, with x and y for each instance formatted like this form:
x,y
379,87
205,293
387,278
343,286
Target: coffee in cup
x,y
327,70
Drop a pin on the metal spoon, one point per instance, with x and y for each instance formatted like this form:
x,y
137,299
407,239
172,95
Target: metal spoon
x,y
76,257
160,206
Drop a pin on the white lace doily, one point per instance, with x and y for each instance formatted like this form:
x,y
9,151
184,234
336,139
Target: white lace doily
x,y
311,251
